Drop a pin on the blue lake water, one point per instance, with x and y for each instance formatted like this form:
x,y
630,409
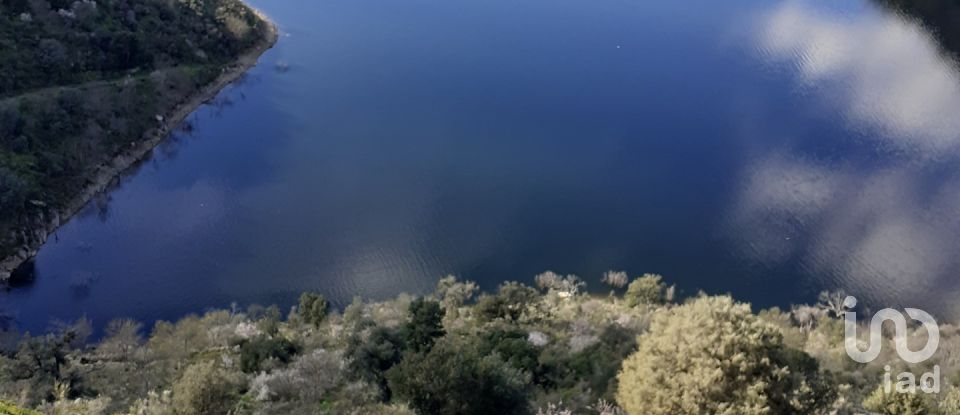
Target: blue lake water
x,y
767,149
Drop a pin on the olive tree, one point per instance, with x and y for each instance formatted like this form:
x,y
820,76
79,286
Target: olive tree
x,y
647,289
714,356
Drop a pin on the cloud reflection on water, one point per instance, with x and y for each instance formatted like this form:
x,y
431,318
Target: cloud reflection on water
x,y
885,72
886,230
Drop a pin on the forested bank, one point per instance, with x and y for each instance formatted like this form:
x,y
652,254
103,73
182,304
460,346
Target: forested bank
x,y
85,82
550,349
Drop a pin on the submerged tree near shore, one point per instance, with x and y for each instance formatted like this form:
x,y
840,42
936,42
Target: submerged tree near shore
x,y
515,351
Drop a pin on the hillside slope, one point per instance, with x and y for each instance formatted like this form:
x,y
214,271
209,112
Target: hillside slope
x,y
551,350
88,88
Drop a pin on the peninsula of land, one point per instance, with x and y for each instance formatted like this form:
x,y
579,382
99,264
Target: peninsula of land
x,y
89,89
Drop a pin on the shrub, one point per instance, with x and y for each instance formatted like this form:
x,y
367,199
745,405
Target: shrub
x,y
554,409
566,286
313,308
8,408
254,352
153,404
647,289
512,346
712,355
96,406
453,293
205,389
950,402
454,379
598,364
382,409
177,342
309,378
579,379
267,318
896,403
510,303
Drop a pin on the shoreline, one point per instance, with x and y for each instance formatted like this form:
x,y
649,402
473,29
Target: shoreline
x,y
108,174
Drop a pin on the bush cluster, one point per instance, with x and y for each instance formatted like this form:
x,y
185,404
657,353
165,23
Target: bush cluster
x,y
517,351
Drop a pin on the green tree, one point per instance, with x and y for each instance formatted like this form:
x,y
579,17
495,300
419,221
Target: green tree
x,y
454,379
254,352
39,357
425,325
313,308
512,346
713,355
267,318
372,355
512,301
647,289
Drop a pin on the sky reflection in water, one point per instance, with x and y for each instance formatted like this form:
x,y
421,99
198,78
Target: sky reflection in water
x,y
883,224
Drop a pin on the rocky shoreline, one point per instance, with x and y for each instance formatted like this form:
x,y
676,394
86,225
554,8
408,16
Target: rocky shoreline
x,y
39,228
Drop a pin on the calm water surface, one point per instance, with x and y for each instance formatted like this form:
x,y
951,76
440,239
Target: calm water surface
x,y
767,149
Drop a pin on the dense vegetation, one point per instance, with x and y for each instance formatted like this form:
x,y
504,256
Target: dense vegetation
x,y
550,350
62,42
80,81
